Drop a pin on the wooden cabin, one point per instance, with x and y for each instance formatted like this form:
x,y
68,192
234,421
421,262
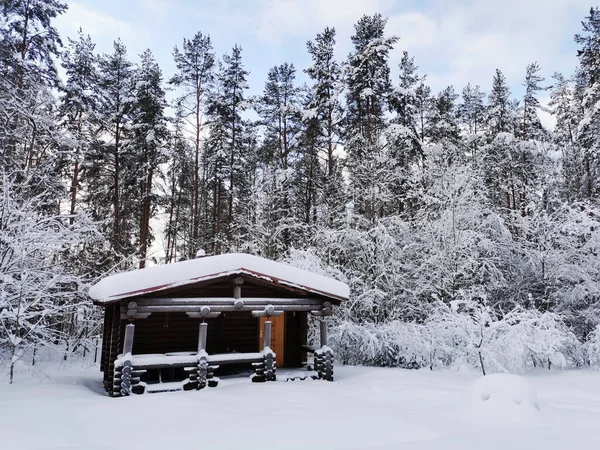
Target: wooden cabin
x,y
177,326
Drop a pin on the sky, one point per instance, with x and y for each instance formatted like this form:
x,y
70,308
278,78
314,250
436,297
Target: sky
x,y
453,41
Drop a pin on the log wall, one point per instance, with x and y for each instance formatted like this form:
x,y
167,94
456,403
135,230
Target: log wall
x,y
176,332
296,328
112,344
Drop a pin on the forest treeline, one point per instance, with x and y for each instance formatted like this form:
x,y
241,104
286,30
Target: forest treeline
x,y
467,231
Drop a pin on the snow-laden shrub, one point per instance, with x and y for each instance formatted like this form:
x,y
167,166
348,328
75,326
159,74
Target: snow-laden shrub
x,y
526,339
395,344
593,348
465,333
461,332
471,332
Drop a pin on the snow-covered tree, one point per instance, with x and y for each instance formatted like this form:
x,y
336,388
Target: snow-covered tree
x,y
195,63
531,125
78,107
109,162
43,292
148,141
369,86
324,116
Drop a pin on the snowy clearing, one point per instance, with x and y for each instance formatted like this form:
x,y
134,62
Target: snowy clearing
x,y
365,408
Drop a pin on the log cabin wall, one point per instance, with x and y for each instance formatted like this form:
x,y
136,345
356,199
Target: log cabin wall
x,y
167,332
176,332
237,332
105,335
296,328
111,341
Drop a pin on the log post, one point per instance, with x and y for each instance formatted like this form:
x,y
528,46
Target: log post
x,y
202,337
202,367
269,364
128,341
324,355
323,330
127,367
267,335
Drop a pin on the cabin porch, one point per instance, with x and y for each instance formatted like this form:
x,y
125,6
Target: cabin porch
x,y
140,373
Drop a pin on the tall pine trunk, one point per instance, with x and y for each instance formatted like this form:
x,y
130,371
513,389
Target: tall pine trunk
x,y
116,187
74,182
145,219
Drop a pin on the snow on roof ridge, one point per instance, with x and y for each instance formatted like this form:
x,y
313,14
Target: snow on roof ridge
x,y
157,278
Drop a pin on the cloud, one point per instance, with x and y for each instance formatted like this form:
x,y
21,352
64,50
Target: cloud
x,y
279,19
453,41
456,42
103,27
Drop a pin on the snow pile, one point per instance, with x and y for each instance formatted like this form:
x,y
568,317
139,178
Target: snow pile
x,y
503,397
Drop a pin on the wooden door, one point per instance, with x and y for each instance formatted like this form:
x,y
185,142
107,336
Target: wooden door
x,y
277,336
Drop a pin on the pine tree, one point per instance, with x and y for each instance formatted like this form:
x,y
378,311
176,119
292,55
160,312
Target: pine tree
x,y
31,41
403,136
589,61
369,86
226,108
178,204
309,173
195,64
565,106
531,125
443,124
280,115
368,77
110,159
500,111
29,45
216,161
148,141
324,117
79,106
472,113
403,100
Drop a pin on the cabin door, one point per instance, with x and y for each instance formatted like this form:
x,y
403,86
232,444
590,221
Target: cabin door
x,y
277,336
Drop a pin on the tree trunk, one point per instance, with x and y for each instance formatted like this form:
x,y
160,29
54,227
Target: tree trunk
x,y
195,219
231,162
588,174
481,362
145,220
116,206
170,223
74,182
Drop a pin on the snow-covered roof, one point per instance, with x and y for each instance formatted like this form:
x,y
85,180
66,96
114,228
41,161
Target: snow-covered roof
x,y
158,278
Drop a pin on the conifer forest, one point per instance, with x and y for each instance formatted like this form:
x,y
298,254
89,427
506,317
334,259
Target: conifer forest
x,y
468,232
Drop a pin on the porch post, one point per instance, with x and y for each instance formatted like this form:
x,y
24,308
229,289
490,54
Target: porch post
x,y
324,355
269,355
128,341
202,337
202,374
267,334
323,330
127,368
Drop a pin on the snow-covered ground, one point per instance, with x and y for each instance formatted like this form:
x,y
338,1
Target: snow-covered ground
x,y
365,408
